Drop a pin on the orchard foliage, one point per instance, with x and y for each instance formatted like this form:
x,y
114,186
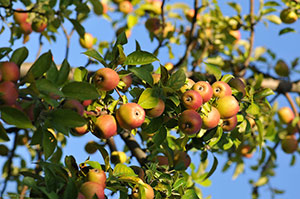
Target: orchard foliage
x,y
210,101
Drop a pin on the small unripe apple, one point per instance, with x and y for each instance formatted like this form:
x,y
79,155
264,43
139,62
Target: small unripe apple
x,y
189,122
288,16
106,79
8,93
289,144
149,193
281,68
229,124
221,89
87,41
106,126
128,81
26,28
98,176
153,24
188,85
130,116
157,110
246,151
156,78
204,89
91,189
211,120
39,24
74,105
238,84
125,7
227,106
81,130
91,147
191,100
10,71
286,115
118,157
20,17
181,157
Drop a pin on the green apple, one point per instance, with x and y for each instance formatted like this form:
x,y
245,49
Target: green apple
x,y
87,41
118,157
227,106
288,16
286,115
281,68
130,116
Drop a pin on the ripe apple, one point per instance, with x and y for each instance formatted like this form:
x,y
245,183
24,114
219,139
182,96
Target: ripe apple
x,y
227,106
87,41
288,16
91,147
289,144
125,7
236,34
221,89
149,193
98,176
106,79
182,158
191,100
211,120
104,7
26,28
286,115
246,151
128,81
189,122
106,126
81,130
281,68
153,25
8,93
90,189
20,17
118,157
130,116
39,24
87,102
188,85
157,110
238,84
74,105
204,89
10,71
156,78
229,124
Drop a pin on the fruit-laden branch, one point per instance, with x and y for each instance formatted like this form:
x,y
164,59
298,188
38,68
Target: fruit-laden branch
x,y
293,105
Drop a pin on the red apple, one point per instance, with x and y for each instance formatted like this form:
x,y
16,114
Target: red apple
x,y
98,176
74,105
289,144
286,115
106,79
211,120
125,7
149,193
227,106
8,93
10,71
204,89
91,189
246,151
229,124
39,24
106,126
20,17
221,89
157,110
81,130
87,41
191,100
188,85
87,102
181,157
189,122
26,28
130,116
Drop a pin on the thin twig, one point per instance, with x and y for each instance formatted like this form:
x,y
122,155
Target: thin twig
x,y
40,47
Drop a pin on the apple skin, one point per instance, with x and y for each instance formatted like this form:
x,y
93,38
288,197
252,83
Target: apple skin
x,y
74,105
87,41
90,189
245,151
204,89
106,126
20,17
189,122
153,25
286,115
236,34
26,28
125,7
238,84
191,100
118,157
289,144
87,102
221,89
227,106
149,193
8,93
288,16
211,120
81,130
187,86
10,71
106,79
90,147
130,116
181,157
98,176
128,81
39,25
229,124
157,110
281,68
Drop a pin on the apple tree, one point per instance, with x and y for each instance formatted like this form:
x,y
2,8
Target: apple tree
x,y
212,98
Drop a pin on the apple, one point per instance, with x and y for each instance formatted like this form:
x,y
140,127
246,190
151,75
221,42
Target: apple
x,y
227,106
162,160
189,14
156,78
106,126
104,7
246,151
118,157
181,157
221,89
236,34
189,122
291,130
191,100
98,176
106,79
10,71
149,193
128,81
286,115
281,68
87,102
289,144
8,93
157,110
153,25
87,41
125,7
238,84
211,120
26,28
130,116
81,130
169,66
188,85
204,89
74,105
91,189
20,17
288,16
91,147
39,24
229,124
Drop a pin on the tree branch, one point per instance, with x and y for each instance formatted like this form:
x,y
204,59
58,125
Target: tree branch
x,y
293,105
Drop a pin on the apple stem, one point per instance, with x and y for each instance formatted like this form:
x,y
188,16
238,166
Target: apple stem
x,y
118,93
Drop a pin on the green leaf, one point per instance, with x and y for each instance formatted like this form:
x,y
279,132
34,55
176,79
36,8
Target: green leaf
x,y
273,18
235,6
123,170
286,30
142,74
15,117
160,137
154,125
45,86
94,54
105,156
261,181
4,52
49,143
71,164
226,78
140,58
271,3
148,99
63,73
253,109
190,194
213,168
41,65
69,190
132,21
67,118
214,70
260,132
97,7
3,134
263,93
94,164
80,74
180,182
238,170
80,91
19,55
177,79
78,27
